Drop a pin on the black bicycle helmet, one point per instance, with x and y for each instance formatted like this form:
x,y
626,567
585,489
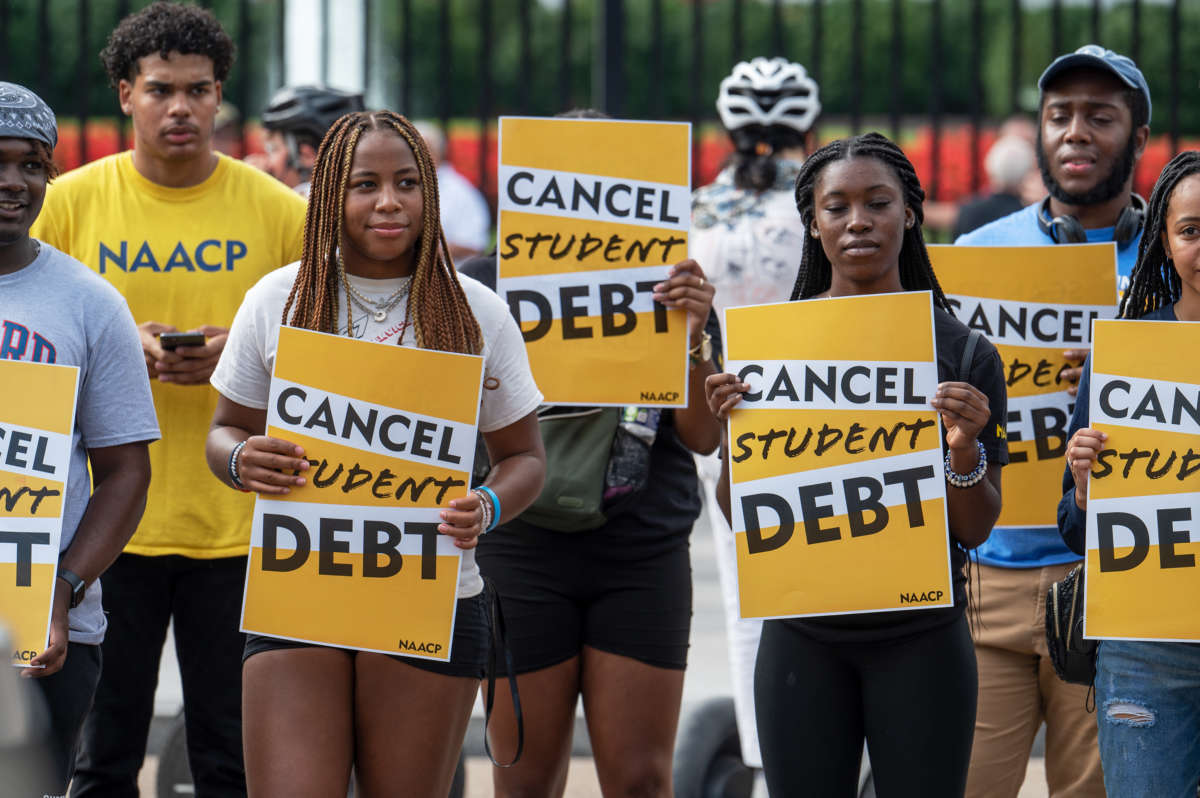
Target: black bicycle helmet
x,y
309,111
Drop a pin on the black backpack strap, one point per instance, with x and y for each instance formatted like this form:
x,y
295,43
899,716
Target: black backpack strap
x,y
498,646
968,356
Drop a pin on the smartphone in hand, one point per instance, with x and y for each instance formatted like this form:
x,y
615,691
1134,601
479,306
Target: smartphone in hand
x,y
170,340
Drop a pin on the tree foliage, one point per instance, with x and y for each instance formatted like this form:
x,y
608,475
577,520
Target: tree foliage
x,y
668,71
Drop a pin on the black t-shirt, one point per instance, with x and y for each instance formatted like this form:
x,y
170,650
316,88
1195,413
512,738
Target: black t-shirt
x,y
987,374
664,511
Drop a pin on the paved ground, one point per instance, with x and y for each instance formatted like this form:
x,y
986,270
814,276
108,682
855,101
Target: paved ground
x,y
707,677
582,783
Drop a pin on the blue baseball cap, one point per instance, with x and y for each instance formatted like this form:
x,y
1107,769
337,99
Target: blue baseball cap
x,y
1093,56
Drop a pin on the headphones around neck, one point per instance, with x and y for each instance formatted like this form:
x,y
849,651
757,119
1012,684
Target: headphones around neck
x,y
1066,229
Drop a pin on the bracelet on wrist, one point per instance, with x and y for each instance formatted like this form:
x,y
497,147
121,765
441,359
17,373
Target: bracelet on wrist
x,y
485,512
234,476
491,506
972,477
701,351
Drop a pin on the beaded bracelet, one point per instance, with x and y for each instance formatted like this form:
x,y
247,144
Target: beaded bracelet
x,y
492,513
971,478
485,511
234,476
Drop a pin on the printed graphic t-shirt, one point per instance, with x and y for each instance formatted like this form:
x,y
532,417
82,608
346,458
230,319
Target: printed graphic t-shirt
x,y
183,257
56,311
1034,547
244,372
748,242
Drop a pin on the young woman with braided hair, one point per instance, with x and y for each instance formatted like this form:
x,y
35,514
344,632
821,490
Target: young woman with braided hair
x,y
1147,693
905,681
375,266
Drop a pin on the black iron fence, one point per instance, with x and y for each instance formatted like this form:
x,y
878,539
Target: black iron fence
x,y
941,70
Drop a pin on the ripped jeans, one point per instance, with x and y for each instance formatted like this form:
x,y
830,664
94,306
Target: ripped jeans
x,y
1148,710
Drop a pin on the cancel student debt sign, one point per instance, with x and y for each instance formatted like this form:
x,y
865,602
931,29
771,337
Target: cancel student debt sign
x,y
838,496
353,557
36,422
592,212
1033,303
1142,536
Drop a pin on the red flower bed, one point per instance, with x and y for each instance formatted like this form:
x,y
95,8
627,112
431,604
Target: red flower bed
x,y
954,159
709,152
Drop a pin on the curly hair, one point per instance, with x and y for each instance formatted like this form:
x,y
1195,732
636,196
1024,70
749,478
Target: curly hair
x,y
164,28
755,149
816,272
46,156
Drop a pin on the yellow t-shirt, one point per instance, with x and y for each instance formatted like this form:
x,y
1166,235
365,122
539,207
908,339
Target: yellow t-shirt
x,y
185,257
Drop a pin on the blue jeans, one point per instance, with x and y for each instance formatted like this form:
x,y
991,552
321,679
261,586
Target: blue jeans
x,y
1148,708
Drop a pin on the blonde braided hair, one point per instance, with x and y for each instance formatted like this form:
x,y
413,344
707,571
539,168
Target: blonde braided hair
x,y
442,318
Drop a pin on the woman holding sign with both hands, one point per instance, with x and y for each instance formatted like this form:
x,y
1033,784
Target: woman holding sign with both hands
x,y
1147,692
904,680
375,267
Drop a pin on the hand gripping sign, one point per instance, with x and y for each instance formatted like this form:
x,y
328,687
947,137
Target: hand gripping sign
x,y
36,424
838,497
592,214
1143,525
1033,303
353,557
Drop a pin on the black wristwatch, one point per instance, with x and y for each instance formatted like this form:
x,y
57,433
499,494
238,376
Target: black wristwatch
x,y
78,588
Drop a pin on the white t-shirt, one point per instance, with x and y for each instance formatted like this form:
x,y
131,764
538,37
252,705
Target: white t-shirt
x,y
243,373
748,243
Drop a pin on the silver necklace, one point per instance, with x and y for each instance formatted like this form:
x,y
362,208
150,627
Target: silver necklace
x,y
378,310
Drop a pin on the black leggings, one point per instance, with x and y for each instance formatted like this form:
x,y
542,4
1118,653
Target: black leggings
x,y
913,699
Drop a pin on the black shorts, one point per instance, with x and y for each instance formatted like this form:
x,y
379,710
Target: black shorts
x,y
561,591
468,651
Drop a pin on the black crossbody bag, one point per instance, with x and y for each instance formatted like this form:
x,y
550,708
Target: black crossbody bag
x,y
1073,656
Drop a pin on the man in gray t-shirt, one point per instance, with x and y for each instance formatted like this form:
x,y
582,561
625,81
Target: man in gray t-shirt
x,y
53,309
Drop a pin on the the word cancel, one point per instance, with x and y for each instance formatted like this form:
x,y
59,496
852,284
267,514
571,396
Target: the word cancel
x,y
833,384
587,196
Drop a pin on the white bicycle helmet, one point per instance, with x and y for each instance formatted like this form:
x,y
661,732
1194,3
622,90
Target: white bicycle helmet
x,y
768,91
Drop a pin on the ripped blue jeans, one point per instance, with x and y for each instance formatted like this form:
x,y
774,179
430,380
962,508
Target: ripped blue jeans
x,y
1148,710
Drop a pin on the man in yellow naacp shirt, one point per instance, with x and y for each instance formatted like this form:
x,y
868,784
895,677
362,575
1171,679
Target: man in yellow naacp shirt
x,y
181,232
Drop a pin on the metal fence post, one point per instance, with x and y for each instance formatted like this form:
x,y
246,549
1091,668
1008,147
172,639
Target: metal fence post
x,y
897,66
564,57
82,82
608,76
1173,127
976,88
485,91
1014,78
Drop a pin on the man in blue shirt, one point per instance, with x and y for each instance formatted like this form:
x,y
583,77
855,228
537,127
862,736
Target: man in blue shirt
x,y
1093,124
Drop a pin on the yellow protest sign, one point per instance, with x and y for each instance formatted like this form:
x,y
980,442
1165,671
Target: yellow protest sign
x,y
592,214
837,492
1142,579
1033,303
36,426
353,557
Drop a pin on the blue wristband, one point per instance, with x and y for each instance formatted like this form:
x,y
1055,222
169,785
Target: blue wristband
x,y
491,494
